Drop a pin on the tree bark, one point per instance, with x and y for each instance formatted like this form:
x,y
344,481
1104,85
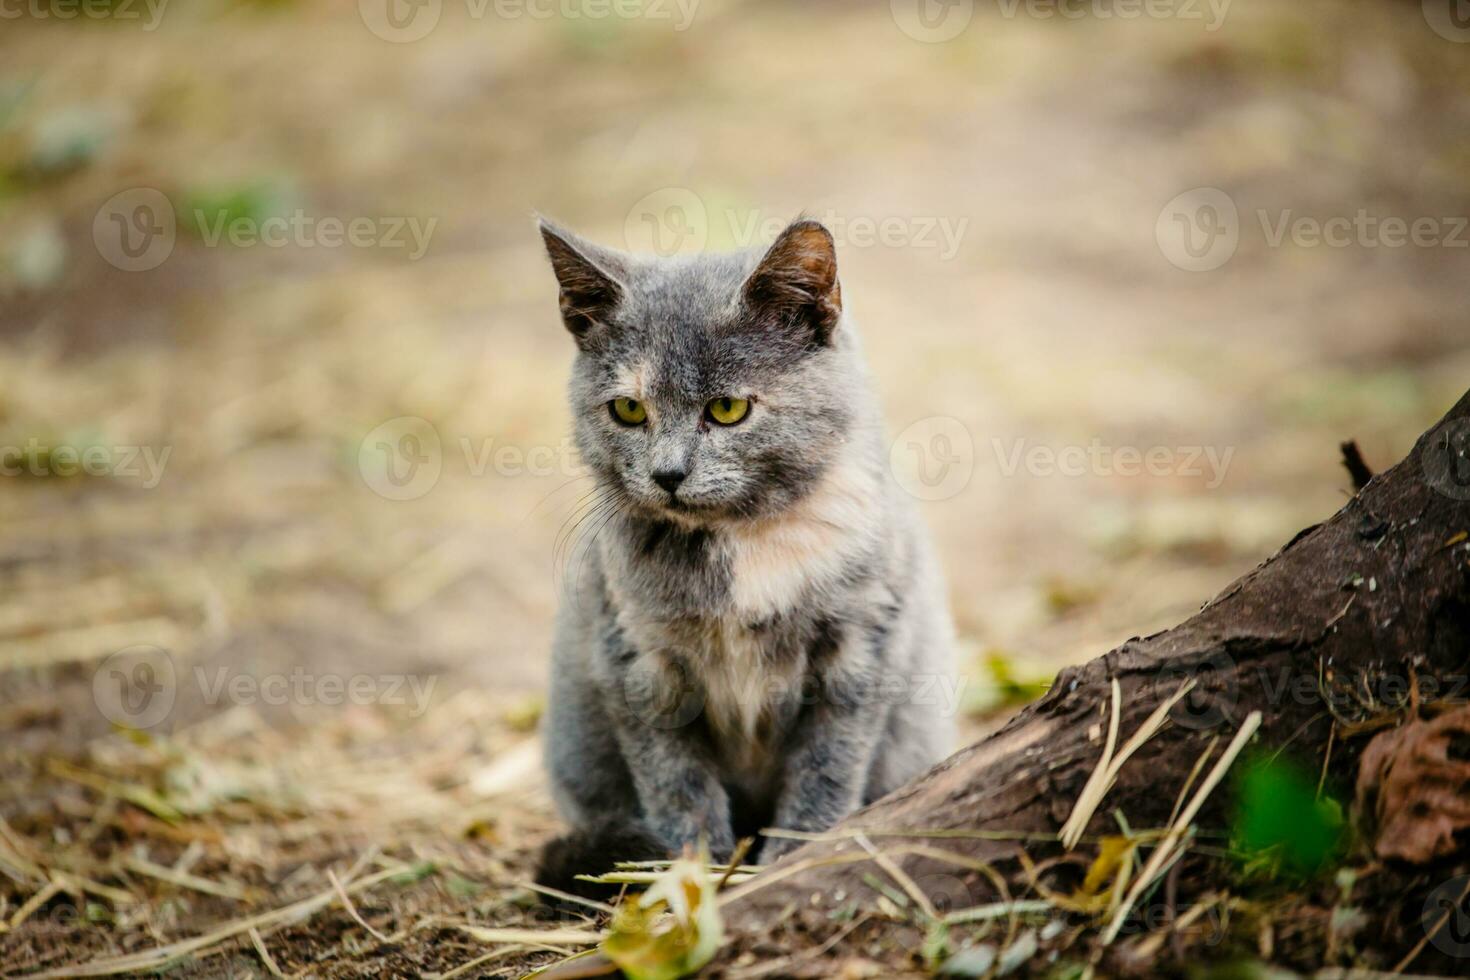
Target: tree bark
x,y
1376,597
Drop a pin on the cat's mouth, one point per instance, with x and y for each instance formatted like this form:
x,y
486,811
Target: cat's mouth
x,y
685,504
680,505
692,511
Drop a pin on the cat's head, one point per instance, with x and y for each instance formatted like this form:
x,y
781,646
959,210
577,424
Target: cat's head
x,y
710,387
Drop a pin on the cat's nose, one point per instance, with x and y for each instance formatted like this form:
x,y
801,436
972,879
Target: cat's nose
x,y
669,479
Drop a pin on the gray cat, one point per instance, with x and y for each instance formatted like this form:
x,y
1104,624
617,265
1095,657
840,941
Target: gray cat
x,y
758,635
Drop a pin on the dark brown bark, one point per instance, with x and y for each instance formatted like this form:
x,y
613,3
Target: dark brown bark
x,y
1374,599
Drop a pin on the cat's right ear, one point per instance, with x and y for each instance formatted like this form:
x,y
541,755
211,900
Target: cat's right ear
x,y
796,281
588,277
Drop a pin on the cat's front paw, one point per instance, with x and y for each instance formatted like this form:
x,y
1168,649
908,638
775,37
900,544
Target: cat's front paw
x,y
683,834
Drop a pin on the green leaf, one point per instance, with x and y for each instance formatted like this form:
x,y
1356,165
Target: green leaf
x,y
1007,688
210,212
936,945
1280,816
462,887
417,872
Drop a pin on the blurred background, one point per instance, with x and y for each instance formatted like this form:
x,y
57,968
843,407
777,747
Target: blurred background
x,y
281,371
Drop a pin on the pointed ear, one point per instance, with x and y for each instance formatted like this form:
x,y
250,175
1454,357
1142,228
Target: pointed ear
x,y
588,276
796,282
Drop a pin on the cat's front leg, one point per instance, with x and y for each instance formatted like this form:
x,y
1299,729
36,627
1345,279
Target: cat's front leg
x,y
832,752
679,790
683,800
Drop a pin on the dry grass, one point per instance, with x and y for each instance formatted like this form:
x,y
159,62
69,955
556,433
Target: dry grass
x,y
232,822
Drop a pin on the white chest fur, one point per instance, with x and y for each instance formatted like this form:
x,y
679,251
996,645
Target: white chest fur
x,y
744,681
774,563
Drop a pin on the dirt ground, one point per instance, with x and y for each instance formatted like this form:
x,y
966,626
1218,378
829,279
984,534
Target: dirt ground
x,y
334,506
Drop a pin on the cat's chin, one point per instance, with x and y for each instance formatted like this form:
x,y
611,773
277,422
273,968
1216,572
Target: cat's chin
x,y
691,513
730,515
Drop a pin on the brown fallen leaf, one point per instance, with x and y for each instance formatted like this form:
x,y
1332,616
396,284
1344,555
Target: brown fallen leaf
x,y
1411,786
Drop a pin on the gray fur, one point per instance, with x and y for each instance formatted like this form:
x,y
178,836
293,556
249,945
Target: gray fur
x,y
760,649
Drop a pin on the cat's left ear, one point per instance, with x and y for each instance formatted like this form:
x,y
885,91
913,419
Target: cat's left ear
x,y
589,278
796,281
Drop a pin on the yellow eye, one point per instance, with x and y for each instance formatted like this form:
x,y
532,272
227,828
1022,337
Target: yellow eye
x,y
728,411
628,411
